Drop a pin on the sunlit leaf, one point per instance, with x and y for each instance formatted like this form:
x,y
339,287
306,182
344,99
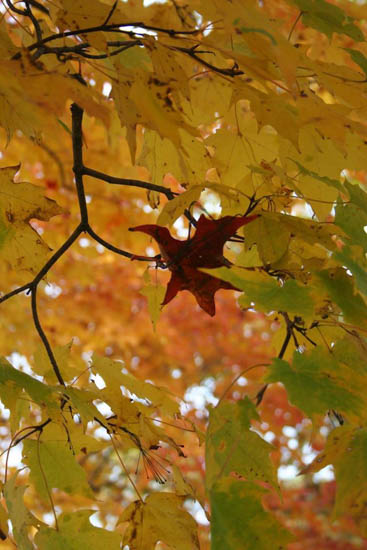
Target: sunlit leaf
x,y
20,245
53,465
160,517
75,529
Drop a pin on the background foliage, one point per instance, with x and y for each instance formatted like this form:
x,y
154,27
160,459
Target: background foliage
x,y
135,426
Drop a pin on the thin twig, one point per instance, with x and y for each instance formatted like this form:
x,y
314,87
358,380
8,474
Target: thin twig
x,y
119,251
116,27
34,20
124,467
288,336
57,255
109,54
110,14
44,338
11,445
234,71
294,24
239,376
55,157
129,182
33,429
14,9
15,292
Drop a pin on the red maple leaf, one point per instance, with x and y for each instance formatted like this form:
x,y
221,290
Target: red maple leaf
x,y
204,249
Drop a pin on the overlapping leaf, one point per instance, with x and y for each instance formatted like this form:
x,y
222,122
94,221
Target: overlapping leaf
x,y
20,245
316,382
233,448
186,259
240,521
53,465
75,529
159,518
346,450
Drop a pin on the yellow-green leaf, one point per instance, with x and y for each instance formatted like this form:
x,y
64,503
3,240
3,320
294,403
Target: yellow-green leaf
x,y
232,448
20,245
21,518
155,294
316,383
176,207
239,519
159,518
54,463
114,379
346,450
265,292
75,531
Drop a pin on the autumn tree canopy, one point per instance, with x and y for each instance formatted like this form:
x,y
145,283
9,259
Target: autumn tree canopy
x,y
183,217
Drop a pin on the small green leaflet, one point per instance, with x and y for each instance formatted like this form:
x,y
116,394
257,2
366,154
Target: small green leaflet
x,y
352,220
114,379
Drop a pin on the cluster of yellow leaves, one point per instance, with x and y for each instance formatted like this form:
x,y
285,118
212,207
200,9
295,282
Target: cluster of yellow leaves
x,y
237,108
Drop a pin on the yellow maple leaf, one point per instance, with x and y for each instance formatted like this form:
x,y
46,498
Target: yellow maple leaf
x,y
20,245
160,517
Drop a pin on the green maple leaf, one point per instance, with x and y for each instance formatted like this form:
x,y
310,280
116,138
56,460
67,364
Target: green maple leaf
x,y
231,447
240,521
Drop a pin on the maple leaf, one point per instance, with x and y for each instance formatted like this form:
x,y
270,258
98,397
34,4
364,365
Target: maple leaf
x,y
203,250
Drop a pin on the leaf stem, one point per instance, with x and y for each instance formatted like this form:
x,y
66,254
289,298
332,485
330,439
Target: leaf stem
x,y
44,338
288,336
237,377
45,481
124,468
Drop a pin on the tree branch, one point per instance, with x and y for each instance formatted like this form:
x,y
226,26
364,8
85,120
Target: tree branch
x,y
283,349
44,338
34,20
129,182
14,9
119,251
77,137
116,27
